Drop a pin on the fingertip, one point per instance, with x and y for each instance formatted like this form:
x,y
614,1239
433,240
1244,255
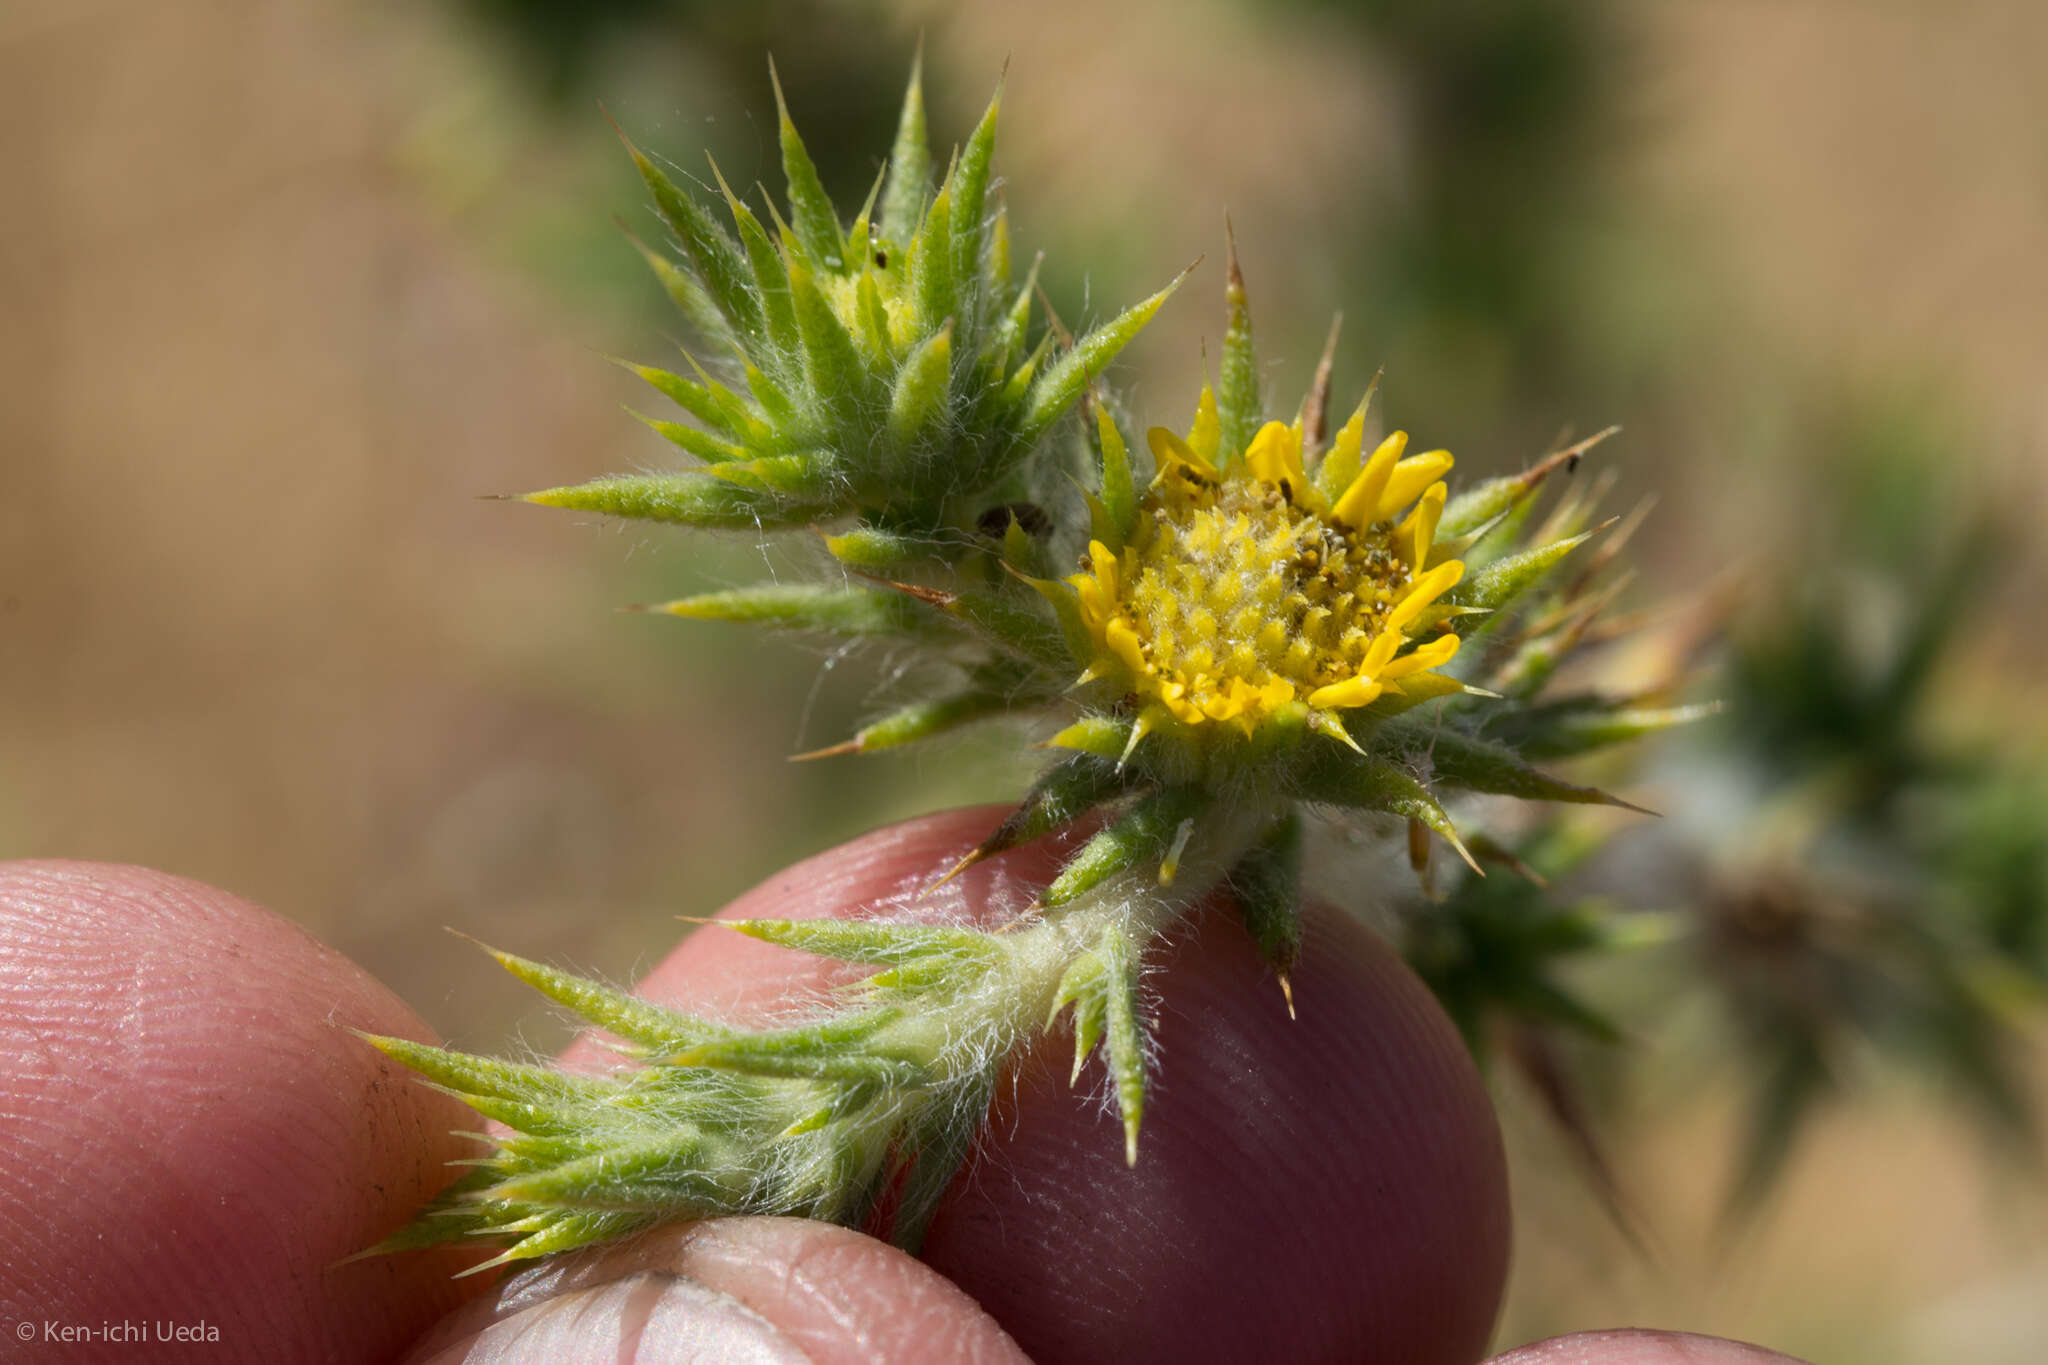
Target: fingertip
x,y
733,1289
1636,1346
192,1132
1323,1189
1340,1176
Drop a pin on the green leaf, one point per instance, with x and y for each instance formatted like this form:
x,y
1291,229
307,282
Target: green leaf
x,y
874,942
1379,784
703,445
1480,504
1493,499
566,1230
830,1051
873,548
1065,792
837,373
1237,397
919,402
1081,986
1142,835
1101,526
1507,578
1015,628
716,406
910,164
1565,729
1020,551
1480,765
767,392
932,285
1126,1035
1344,459
628,1016
1009,333
922,720
684,292
470,1075
860,234
997,277
548,1120
871,324
810,208
771,277
1119,493
448,1217
1017,388
721,271
520,1153
1059,387
852,612
657,1175
794,476
694,498
1101,736
1267,885
970,201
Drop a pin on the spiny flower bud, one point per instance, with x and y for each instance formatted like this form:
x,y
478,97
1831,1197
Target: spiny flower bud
x,y
885,369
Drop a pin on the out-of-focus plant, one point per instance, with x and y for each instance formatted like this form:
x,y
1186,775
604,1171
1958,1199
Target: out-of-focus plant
x,y
1866,884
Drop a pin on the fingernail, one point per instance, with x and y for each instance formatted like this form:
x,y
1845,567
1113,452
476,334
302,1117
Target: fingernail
x,y
649,1318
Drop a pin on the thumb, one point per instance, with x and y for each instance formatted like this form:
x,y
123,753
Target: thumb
x,y
742,1290
1340,1174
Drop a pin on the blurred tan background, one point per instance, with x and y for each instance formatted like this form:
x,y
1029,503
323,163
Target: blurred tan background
x,y
288,284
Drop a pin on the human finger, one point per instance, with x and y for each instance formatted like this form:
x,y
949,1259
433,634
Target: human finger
x,y
740,1290
1307,1189
194,1139
1635,1346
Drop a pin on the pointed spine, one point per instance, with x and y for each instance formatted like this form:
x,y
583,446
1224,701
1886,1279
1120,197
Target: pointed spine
x,y
1238,383
721,270
852,612
1141,836
1058,388
970,211
694,499
922,384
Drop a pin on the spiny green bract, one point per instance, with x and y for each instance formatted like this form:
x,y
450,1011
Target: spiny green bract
x,y
887,369
820,1121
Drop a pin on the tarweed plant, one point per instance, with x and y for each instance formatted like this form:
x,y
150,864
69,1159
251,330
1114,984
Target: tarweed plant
x,y
1225,637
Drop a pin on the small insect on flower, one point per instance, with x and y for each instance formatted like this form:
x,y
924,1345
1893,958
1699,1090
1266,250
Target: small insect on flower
x,y
1251,588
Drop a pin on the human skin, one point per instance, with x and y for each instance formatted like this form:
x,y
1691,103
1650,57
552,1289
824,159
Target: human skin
x,y
195,1137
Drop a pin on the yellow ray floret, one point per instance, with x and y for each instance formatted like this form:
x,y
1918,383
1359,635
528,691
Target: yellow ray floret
x,y
1252,583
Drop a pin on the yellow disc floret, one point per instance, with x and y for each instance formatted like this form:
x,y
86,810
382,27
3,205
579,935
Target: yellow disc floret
x,y
1250,585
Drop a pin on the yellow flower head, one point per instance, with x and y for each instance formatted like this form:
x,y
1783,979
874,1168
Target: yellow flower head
x,y
1250,585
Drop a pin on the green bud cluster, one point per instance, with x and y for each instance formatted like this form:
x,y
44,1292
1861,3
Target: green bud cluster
x,y
890,368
